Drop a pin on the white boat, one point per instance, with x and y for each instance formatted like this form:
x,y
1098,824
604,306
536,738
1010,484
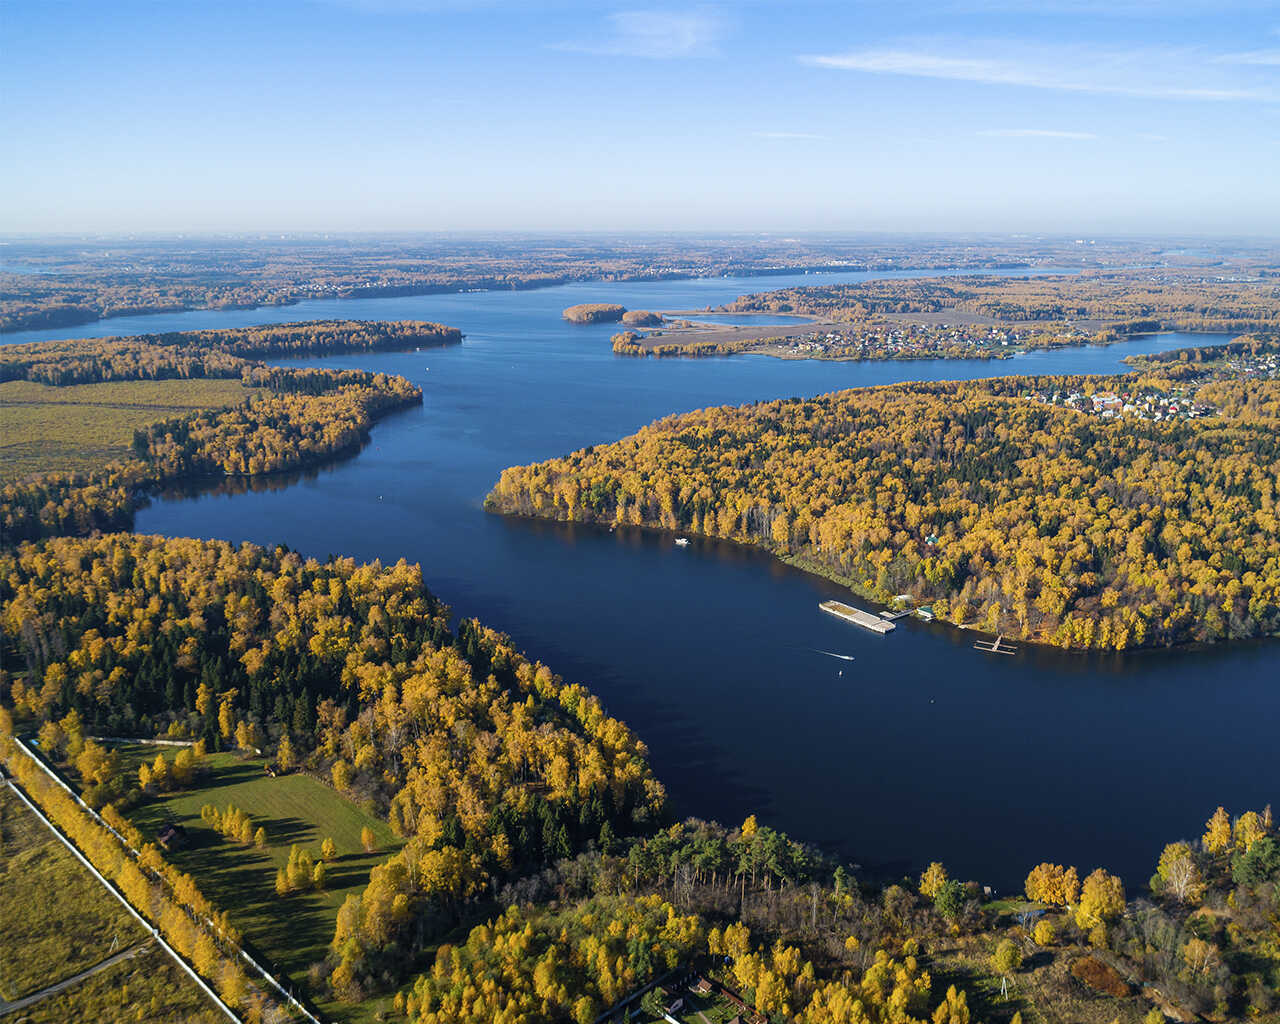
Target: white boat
x,y
682,542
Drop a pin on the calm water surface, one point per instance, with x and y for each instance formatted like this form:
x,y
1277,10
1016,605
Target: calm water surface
x,y
919,749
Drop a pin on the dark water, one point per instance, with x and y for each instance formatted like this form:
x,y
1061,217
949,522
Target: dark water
x,y
919,749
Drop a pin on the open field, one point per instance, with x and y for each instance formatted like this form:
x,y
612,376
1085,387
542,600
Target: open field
x,y
728,334
294,931
1042,988
80,427
149,987
57,919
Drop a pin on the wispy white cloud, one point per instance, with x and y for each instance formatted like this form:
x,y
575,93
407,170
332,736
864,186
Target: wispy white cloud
x,y
1256,58
1035,133
1150,74
655,34
784,136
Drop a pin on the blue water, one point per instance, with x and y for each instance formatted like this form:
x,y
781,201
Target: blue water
x,y
919,749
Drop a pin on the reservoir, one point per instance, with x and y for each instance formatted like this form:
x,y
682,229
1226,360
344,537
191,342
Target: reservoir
x,y
918,749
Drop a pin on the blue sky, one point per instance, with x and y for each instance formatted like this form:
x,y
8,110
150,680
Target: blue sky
x,y
1089,117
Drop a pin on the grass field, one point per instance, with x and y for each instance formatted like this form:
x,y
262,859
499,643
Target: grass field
x,y
1040,989
56,919
150,988
295,930
78,428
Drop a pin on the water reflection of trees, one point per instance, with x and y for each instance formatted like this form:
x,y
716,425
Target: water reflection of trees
x,y
232,486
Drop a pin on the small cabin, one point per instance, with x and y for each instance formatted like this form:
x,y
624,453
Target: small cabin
x,y
172,837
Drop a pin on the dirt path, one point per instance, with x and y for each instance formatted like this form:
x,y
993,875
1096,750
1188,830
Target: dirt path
x,y
75,979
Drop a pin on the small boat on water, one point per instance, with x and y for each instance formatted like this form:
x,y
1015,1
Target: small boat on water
x,y
833,654
682,542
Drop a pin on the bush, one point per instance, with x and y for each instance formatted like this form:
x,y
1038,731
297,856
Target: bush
x,y
1100,977
1007,957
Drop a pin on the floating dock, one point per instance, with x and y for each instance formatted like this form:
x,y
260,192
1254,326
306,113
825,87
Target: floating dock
x,y
857,616
997,646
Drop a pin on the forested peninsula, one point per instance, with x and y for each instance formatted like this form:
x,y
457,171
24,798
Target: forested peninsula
x,y
1084,512
293,417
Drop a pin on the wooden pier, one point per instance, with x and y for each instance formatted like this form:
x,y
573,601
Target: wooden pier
x,y
997,646
857,616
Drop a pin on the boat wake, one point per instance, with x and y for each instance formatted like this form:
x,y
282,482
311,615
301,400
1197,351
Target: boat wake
x,y
832,654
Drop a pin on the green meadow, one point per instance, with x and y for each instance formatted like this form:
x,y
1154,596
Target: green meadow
x,y
79,428
292,931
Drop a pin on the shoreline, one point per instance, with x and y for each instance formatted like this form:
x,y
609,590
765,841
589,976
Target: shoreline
x,y
810,568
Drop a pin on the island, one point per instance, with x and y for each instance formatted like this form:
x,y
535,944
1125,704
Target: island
x,y
594,313
642,318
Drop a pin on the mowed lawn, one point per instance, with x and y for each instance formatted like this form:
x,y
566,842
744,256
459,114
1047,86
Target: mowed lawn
x,y
56,919
79,428
295,930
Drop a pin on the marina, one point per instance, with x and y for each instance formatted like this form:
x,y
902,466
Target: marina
x,y
857,616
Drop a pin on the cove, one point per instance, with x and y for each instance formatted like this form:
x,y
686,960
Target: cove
x,y
919,749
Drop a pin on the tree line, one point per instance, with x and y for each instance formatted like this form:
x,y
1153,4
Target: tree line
x,y
209,353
